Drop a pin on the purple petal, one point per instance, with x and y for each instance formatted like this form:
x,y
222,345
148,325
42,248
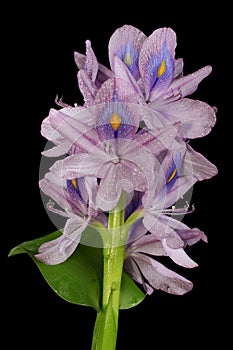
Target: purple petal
x,y
164,227
117,120
74,129
126,43
131,267
160,277
188,236
178,69
52,130
79,59
156,61
106,93
197,117
103,72
58,150
126,85
179,256
136,231
189,83
180,87
148,244
125,176
48,131
197,165
54,187
61,248
86,86
79,165
158,139
192,236
91,64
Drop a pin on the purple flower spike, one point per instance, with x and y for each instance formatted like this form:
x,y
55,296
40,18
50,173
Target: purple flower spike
x,y
131,135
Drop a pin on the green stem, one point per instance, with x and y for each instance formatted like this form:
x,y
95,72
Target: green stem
x,y
106,325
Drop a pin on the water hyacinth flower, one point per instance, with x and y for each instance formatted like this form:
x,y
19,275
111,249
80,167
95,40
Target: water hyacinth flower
x,y
76,201
127,166
158,233
113,151
178,174
149,272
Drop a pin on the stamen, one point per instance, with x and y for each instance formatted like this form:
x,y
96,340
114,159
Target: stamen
x,y
176,211
50,206
60,103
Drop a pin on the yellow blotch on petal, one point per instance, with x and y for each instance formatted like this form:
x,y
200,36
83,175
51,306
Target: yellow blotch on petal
x,y
128,59
173,174
161,69
74,183
115,121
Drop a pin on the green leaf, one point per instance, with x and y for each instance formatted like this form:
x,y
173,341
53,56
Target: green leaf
x,y
131,295
78,280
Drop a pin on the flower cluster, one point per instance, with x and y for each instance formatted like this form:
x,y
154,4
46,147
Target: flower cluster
x,y
131,136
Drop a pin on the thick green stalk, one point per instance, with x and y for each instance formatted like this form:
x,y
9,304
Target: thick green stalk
x,y
106,326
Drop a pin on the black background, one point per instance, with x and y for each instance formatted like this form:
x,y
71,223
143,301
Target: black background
x,y
37,48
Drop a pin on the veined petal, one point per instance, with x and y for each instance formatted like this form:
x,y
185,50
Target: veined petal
x,y
91,63
179,256
158,139
156,61
48,131
54,187
169,196
86,87
197,165
159,226
103,72
189,236
76,131
79,165
136,231
148,244
179,67
106,92
189,83
126,85
160,277
79,59
180,87
132,269
58,150
126,43
192,236
197,118
125,175
117,120
60,249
